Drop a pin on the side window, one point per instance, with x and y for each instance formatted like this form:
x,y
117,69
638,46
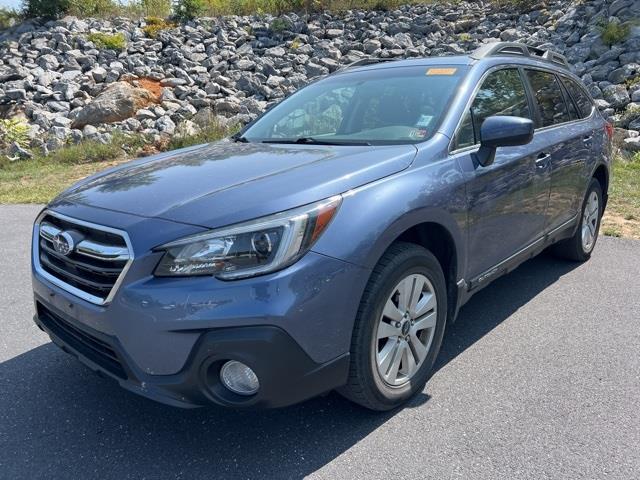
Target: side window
x,y
501,93
548,95
579,96
573,112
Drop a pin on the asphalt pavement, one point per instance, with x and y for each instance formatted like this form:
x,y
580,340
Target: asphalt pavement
x,y
539,378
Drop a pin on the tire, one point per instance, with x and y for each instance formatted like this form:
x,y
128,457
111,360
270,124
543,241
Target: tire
x,y
575,248
403,268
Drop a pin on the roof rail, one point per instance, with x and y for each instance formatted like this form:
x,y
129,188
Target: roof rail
x,y
497,49
363,62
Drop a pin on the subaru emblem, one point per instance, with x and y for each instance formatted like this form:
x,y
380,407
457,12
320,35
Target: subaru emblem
x,y
63,243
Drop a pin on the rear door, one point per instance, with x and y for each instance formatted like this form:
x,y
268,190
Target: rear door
x,y
590,132
566,143
506,200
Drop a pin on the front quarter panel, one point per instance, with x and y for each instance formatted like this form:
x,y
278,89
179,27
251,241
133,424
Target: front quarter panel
x,y
373,216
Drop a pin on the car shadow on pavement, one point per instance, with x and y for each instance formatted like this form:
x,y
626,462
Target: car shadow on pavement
x,y
59,420
497,302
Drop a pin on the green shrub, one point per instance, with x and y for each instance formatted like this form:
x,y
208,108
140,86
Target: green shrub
x,y
13,130
250,7
45,8
97,8
519,5
613,32
383,5
156,8
93,8
155,25
189,9
107,41
153,20
8,18
279,25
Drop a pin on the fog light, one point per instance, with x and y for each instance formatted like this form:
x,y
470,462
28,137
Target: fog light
x,y
239,378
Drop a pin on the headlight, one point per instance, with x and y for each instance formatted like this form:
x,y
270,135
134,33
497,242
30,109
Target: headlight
x,y
251,248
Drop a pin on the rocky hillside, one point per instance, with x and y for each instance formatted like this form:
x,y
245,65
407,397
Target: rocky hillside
x,y
67,86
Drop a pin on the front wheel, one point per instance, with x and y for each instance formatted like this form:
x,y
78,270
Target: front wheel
x,y
398,329
579,247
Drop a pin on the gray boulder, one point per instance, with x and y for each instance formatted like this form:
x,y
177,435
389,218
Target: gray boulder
x,y
631,144
48,62
166,125
117,102
616,95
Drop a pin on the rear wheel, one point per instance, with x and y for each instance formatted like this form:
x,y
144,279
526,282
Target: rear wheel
x,y
579,247
398,330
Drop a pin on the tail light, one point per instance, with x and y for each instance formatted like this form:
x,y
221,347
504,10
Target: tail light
x,y
608,128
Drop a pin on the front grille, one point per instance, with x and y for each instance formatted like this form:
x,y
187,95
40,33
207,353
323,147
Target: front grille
x,y
93,348
93,266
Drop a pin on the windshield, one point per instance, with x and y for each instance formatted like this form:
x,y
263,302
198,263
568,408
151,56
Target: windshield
x,y
373,107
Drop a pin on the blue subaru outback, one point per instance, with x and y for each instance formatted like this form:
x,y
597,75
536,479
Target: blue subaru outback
x,y
329,243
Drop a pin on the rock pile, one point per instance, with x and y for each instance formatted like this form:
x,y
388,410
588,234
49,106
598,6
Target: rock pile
x,y
230,69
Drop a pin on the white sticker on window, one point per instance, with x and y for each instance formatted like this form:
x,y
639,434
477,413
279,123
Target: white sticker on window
x,y
424,120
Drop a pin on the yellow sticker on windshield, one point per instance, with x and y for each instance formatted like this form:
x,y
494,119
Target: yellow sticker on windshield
x,y
441,71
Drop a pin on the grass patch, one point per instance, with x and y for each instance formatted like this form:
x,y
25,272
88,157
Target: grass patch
x,y
92,151
40,179
209,134
610,231
107,41
622,217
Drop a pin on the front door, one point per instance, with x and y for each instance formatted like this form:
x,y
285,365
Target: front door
x,y
507,200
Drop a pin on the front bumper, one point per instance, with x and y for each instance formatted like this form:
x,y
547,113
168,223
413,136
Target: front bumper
x,y
287,374
294,326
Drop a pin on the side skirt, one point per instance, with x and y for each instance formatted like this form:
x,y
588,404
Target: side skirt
x,y
467,289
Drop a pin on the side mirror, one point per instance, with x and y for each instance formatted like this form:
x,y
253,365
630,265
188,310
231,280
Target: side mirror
x,y
502,131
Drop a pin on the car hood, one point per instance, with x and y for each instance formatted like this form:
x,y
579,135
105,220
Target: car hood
x,y
222,183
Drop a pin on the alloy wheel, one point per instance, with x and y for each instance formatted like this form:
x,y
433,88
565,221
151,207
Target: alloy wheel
x,y
590,222
406,329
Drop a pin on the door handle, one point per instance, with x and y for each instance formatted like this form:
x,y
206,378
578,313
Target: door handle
x,y
586,138
541,161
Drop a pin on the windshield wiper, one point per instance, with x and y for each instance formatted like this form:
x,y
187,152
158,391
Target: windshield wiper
x,y
315,141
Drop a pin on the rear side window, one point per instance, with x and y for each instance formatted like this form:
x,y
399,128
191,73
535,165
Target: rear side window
x,y
501,93
579,96
548,95
573,111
